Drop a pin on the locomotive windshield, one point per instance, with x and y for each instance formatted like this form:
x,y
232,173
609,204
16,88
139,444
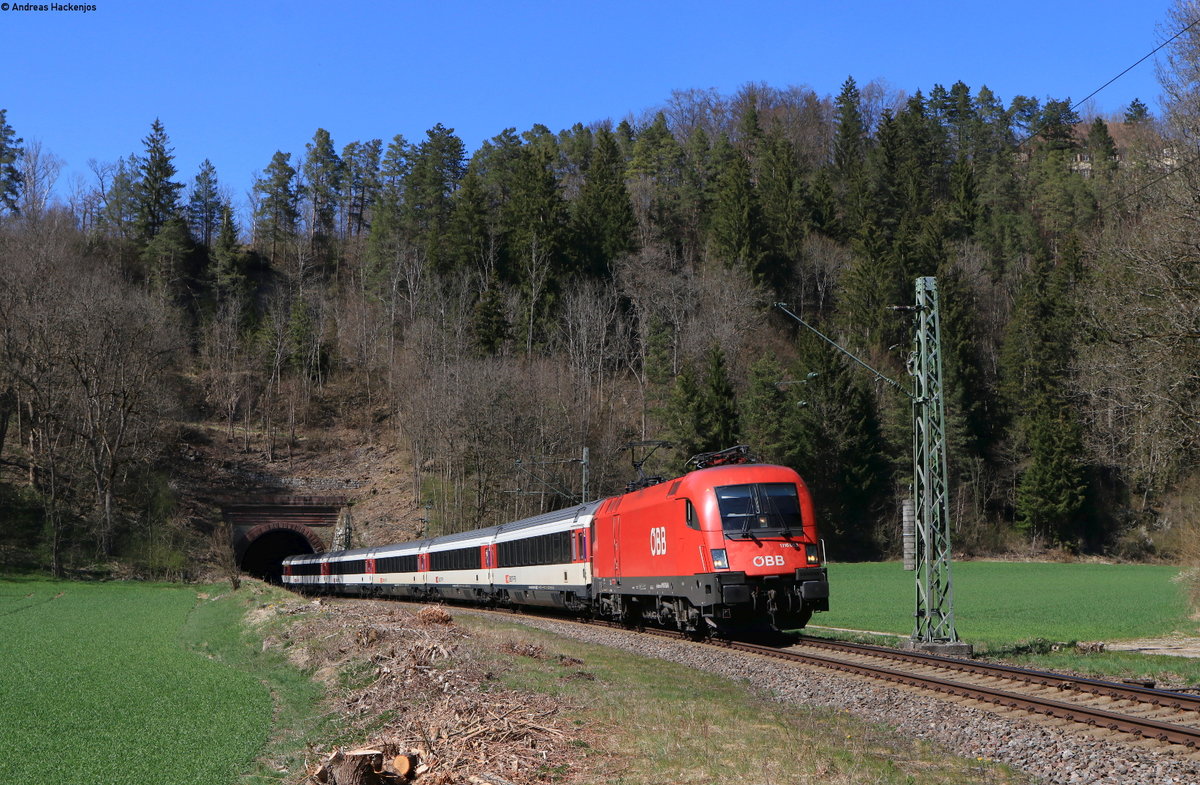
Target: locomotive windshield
x,y
760,509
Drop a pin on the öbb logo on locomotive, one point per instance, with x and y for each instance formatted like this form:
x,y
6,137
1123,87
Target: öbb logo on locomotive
x,y
744,555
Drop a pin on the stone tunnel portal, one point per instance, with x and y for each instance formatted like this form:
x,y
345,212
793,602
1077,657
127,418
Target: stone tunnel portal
x,y
266,530
263,556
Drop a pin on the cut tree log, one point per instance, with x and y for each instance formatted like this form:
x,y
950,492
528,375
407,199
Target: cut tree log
x,y
404,764
356,767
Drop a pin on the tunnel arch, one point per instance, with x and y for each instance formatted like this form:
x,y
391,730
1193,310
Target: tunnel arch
x,y
261,550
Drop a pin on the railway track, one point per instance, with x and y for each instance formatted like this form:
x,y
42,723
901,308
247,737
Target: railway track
x,y
1158,715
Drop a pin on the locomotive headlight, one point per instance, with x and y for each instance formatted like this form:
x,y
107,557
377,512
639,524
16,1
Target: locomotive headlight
x,y
720,560
810,554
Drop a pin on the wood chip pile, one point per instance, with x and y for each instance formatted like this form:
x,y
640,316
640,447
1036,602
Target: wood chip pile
x,y
445,717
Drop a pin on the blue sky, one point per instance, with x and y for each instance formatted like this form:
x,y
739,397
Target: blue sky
x,y
235,81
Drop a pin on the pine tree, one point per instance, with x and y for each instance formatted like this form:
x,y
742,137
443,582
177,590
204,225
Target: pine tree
x,y
437,166
10,175
735,226
1037,358
720,405
361,184
1102,150
684,414
277,210
204,205
764,409
118,216
323,171
167,257
157,194
227,269
602,215
1056,125
1137,112
1052,489
535,221
850,143
490,328
784,198
702,415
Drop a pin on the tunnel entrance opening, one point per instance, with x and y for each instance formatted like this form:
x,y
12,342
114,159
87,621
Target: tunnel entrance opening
x,y
263,556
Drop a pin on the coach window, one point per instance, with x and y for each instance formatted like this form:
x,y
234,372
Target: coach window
x,y
692,521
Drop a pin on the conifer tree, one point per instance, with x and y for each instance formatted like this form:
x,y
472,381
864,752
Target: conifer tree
x,y
736,224
437,166
489,324
684,414
1102,150
388,228
474,236
1037,362
695,193
702,414
118,215
229,279
361,184
723,426
1137,112
10,174
157,195
602,215
964,210
785,206
850,146
277,211
830,433
1052,489
323,171
764,409
204,205
850,143
535,220
167,257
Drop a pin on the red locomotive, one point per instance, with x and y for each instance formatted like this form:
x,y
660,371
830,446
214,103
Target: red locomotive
x,y
725,548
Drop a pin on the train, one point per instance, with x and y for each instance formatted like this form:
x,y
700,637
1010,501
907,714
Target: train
x,y
728,549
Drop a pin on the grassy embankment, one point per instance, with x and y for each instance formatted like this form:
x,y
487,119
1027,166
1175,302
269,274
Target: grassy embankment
x,y
132,683
658,723
1020,610
136,683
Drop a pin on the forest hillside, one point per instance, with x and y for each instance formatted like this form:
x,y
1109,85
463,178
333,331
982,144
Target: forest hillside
x,y
450,328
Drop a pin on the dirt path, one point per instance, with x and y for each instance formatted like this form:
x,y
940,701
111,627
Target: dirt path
x,y
1174,646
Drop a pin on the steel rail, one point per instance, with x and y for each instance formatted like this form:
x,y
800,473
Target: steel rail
x,y
1083,684
1148,728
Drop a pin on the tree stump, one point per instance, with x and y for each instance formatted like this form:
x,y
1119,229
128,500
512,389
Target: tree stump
x,y
356,767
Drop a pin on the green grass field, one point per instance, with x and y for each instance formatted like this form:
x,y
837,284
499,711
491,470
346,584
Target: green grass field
x,y
997,604
98,686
